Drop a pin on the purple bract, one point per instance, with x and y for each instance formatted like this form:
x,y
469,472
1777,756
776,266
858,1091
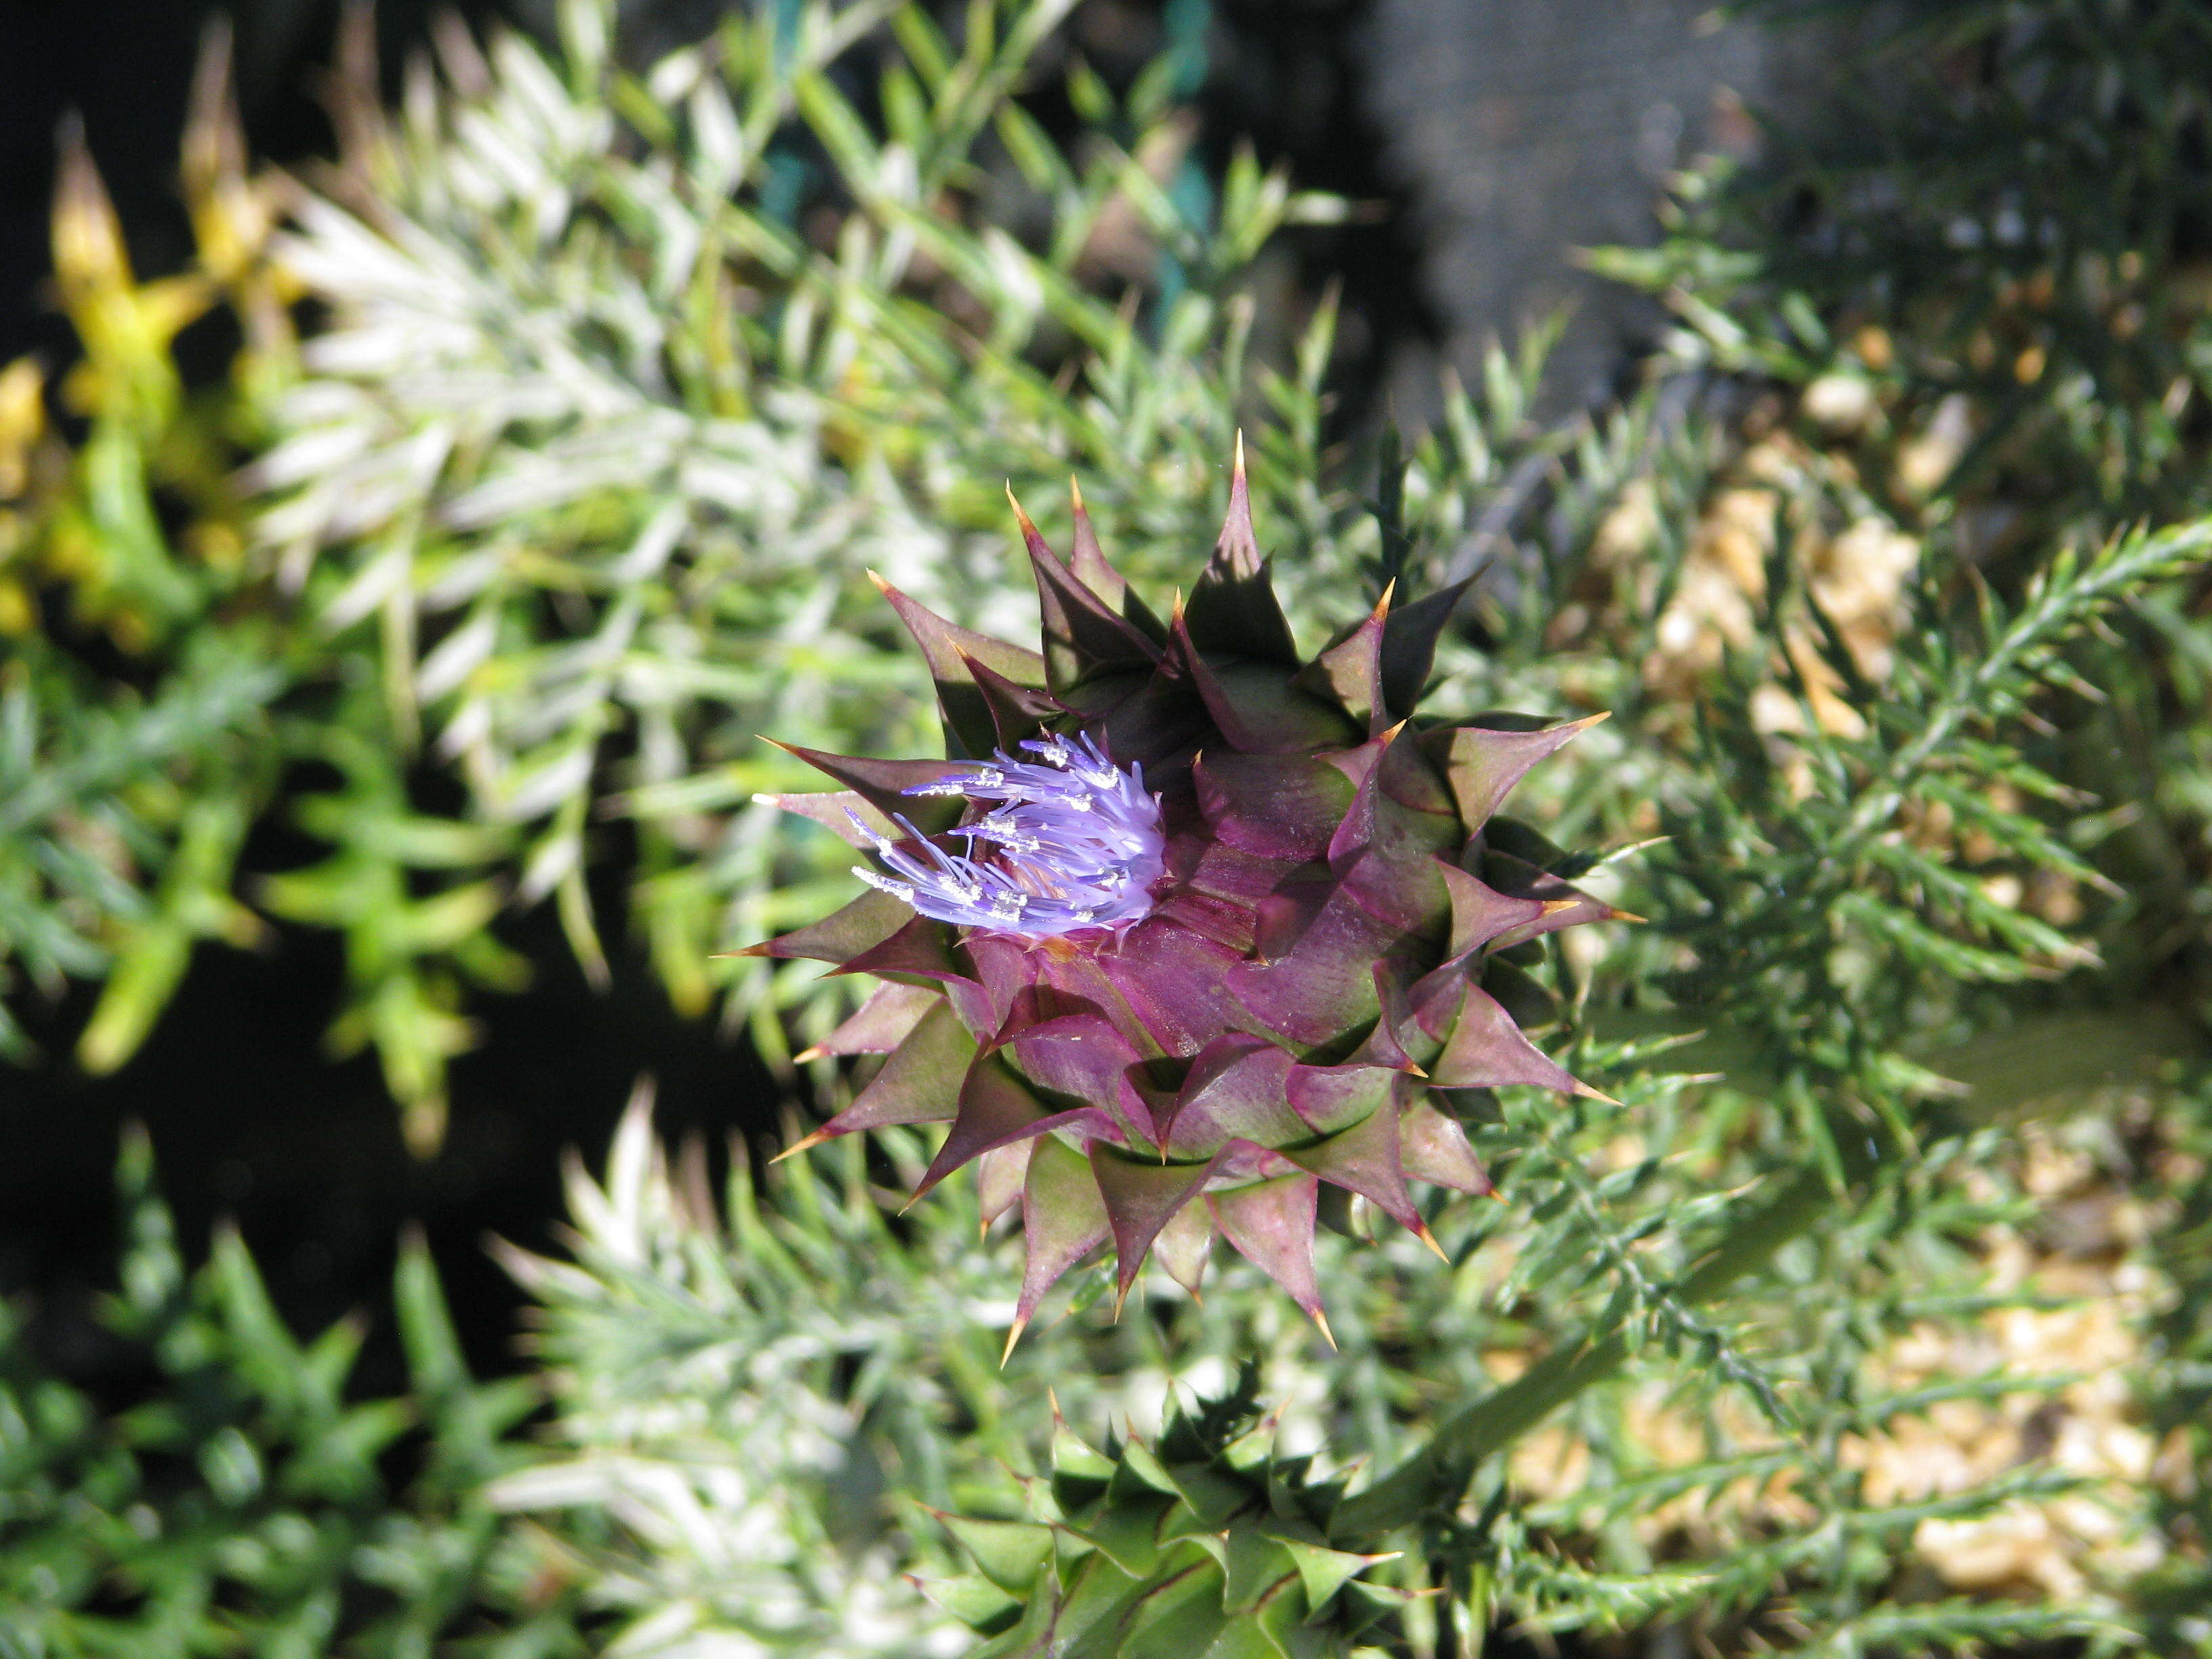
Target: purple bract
x,y
1215,923
1077,844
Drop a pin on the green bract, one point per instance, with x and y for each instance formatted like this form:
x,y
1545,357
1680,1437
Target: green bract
x,y
1319,966
1201,1543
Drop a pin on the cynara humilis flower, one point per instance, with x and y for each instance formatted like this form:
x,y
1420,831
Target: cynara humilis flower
x,y
1186,926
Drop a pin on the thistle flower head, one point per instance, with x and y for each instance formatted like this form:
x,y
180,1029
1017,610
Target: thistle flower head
x,y
1073,842
1190,925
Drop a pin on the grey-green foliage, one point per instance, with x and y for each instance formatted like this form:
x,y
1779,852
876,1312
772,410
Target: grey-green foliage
x,y
245,1499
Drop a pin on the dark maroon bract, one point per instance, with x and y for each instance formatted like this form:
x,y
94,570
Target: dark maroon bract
x,y
1246,980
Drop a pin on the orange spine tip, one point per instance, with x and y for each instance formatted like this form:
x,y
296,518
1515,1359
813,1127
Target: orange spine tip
x,y
1327,1334
1429,1239
1013,1335
806,1144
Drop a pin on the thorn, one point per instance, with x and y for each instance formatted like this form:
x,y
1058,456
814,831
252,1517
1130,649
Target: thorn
x,y
1383,604
1553,907
1429,1239
1014,1335
1389,737
798,1146
1614,915
760,950
1588,720
1028,530
1236,466
1420,1072
812,1052
1327,1335
882,586
1074,493
1589,1093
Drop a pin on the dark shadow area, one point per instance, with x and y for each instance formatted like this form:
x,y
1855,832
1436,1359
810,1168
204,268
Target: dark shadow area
x,y
250,1118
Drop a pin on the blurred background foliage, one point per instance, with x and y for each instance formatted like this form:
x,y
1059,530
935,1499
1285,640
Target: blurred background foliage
x,y
565,410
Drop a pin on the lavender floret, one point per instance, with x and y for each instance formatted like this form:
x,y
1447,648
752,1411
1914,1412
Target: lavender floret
x,y
1076,843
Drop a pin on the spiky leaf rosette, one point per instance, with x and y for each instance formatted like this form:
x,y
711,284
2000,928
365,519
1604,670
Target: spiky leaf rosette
x,y
1201,1545
1185,925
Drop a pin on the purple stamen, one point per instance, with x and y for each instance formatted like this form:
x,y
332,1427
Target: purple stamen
x,y
1076,843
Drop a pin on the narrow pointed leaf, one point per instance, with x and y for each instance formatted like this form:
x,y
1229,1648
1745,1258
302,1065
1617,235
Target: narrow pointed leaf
x,y
1385,1045
1142,1196
1233,610
995,1109
883,783
1009,1553
949,650
1324,1572
921,949
1017,712
919,1084
880,1024
1089,563
1329,1099
1482,765
1480,912
835,810
1082,638
1254,704
1409,646
1486,1050
1564,904
1182,1246
1235,1090
1434,1148
1271,1224
1063,1218
1349,671
867,921
1000,1174
1365,1159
